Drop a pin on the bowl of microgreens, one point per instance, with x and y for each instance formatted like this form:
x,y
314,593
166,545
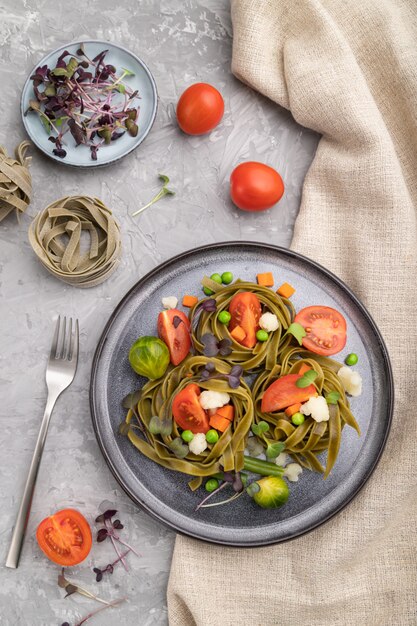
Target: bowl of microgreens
x,y
89,103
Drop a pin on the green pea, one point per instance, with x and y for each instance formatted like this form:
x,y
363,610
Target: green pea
x,y
212,436
187,435
224,317
262,335
217,278
211,484
227,278
208,291
351,359
298,419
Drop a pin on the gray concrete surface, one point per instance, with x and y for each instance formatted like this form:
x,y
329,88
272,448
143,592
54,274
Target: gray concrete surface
x,y
182,42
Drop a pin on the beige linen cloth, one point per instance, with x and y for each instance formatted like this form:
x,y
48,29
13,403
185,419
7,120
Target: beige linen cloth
x,y
347,69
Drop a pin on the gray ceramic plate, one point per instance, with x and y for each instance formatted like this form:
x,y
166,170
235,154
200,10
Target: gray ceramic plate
x,y
164,493
80,156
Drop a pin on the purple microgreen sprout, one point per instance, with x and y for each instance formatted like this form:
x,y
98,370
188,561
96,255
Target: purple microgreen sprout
x,y
213,346
109,568
233,378
88,99
163,192
109,532
92,613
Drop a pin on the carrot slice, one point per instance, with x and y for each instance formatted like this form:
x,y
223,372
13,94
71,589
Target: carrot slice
x,y
227,411
238,333
286,290
266,279
294,408
219,423
189,301
304,368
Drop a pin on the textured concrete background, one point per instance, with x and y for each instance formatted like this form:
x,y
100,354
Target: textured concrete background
x,y
182,42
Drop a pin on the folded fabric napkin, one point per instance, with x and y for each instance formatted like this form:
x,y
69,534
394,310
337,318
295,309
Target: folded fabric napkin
x,y
347,69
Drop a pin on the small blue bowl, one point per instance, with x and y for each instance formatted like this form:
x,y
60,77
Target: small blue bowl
x,y
80,156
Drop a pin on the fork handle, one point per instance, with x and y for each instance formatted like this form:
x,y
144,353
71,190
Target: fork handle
x,y
26,502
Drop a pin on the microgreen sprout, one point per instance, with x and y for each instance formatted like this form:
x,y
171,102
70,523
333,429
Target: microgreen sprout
x,y
332,397
163,192
297,331
233,378
260,428
209,306
109,568
71,588
306,379
85,98
213,346
109,531
109,605
228,478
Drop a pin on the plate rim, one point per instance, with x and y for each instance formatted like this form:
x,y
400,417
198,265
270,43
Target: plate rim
x,y
342,285
93,163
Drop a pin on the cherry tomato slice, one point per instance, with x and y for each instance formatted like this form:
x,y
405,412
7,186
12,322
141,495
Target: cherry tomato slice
x,y
325,328
187,411
199,109
65,537
255,186
245,309
284,393
176,334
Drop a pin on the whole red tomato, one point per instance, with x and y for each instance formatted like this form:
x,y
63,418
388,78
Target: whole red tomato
x,y
255,186
199,109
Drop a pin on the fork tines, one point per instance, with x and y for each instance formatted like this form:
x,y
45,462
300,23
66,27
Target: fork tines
x,y
65,341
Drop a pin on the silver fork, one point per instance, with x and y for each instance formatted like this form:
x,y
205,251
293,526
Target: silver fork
x,y
60,373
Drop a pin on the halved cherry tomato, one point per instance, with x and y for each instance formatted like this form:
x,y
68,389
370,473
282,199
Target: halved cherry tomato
x,y
325,328
284,393
188,412
255,186
175,333
199,109
65,537
245,309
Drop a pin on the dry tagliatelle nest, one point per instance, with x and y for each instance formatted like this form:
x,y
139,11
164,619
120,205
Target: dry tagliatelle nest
x,y
55,236
166,447
15,181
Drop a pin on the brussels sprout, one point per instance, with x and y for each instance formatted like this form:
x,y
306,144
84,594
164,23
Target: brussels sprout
x,y
149,357
273,492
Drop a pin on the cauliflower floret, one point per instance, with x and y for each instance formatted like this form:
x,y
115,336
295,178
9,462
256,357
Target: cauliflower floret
x,y
317,408
282,459
170,302
213,399
351,381
269,322
292,472
198,443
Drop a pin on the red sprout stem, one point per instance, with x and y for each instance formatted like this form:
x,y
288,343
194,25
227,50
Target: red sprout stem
x,y
102,608
210,495
127,545
109,529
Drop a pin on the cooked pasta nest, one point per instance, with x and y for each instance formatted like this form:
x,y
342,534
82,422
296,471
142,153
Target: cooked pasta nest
x,y
306,442
156,400
264,354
